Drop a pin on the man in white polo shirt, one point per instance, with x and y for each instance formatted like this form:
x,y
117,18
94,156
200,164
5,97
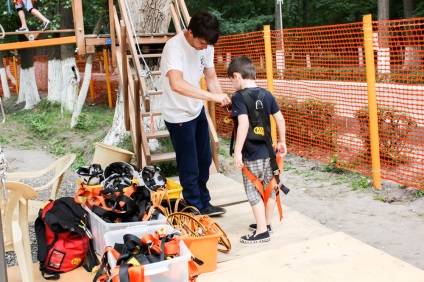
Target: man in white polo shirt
x,y
185,58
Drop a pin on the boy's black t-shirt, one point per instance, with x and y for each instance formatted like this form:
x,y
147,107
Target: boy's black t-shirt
x,y
252,149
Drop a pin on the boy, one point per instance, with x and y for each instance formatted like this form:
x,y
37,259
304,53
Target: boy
x,y
28,5
254,154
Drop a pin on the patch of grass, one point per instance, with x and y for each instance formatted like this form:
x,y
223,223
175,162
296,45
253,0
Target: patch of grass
x,y
47,128
288,167
419,194
333,166
362,182
379,198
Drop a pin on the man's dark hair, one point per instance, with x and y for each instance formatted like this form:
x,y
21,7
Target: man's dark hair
x,y
205,25
242,65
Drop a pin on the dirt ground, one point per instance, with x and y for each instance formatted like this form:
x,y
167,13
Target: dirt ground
x,y
391,220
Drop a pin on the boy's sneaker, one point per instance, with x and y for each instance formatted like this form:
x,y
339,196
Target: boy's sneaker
x,y
255,238
214,210
253,227
22,29
46,25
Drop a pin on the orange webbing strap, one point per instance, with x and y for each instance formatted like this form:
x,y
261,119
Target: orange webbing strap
x,y
86,191
254,180
131,273
193,270
271,185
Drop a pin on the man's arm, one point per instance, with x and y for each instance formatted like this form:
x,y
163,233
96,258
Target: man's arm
x,y
212,80
182,87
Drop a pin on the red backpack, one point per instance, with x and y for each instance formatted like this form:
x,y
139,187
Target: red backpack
x,y
63,238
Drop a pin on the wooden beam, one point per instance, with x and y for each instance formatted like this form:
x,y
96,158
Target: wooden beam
x,y
79,26
40,31
38,43
112,32
175,19
96,41
184,11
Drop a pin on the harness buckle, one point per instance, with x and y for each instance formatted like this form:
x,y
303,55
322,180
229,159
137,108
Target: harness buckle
x,y
258,105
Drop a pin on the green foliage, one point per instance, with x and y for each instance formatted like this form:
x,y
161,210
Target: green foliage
x,y
47,127
333,166
393,126
362,182
309,122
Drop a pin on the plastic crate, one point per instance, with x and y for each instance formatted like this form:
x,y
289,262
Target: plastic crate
x,y
99,227
175,269
174,189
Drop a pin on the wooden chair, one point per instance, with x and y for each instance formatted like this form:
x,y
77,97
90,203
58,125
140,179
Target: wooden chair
x,y
15,225
57,169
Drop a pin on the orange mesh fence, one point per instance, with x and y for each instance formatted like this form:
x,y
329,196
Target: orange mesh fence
x,y
320,82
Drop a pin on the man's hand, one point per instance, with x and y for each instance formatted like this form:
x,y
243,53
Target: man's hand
x,y
222,99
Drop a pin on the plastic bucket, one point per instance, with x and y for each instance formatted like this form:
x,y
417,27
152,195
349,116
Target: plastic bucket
x,y
174,189
205,248
106,154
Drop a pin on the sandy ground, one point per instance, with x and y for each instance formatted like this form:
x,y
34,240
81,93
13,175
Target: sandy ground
x,y
391,220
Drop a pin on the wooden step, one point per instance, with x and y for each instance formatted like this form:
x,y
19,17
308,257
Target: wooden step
x,y
159,55
155,92
147,114
157,134
162,157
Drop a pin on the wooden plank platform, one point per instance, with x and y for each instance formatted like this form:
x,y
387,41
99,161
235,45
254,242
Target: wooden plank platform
x,y
300,249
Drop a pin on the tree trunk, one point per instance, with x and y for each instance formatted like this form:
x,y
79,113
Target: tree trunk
x,y
28,91
3,78
87,78
150,16
408,8
55,76
117,132
413,54
84,90
70,73
383,9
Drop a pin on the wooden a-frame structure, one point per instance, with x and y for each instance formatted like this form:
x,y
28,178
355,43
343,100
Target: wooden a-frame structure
x,y
132,75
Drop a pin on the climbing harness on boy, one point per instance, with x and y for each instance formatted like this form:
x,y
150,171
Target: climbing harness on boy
x,y
258,132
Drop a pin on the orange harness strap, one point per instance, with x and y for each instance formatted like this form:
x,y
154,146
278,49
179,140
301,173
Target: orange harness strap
x,y
271,185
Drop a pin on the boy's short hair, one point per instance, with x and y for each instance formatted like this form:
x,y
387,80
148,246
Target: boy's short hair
x,y
242,65
205,25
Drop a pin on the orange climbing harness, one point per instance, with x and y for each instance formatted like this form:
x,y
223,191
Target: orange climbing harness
x,y
275,184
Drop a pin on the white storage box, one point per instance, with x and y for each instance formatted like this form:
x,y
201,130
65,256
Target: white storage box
x,y
99,227
175,269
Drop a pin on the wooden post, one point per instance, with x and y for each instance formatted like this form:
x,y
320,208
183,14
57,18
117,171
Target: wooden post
x,y
15,68
112,33
269,75
106,66
92,90
123,48
79,26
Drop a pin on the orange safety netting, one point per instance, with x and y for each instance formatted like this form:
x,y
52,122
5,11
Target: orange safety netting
x,y
320,82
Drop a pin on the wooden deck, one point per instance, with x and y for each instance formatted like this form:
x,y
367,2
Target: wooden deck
x,y
300,249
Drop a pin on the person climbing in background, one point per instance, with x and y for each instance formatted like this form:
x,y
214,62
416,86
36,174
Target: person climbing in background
x,y
252,151
28,5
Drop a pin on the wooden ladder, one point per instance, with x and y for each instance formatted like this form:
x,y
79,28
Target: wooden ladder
x,y
132,74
